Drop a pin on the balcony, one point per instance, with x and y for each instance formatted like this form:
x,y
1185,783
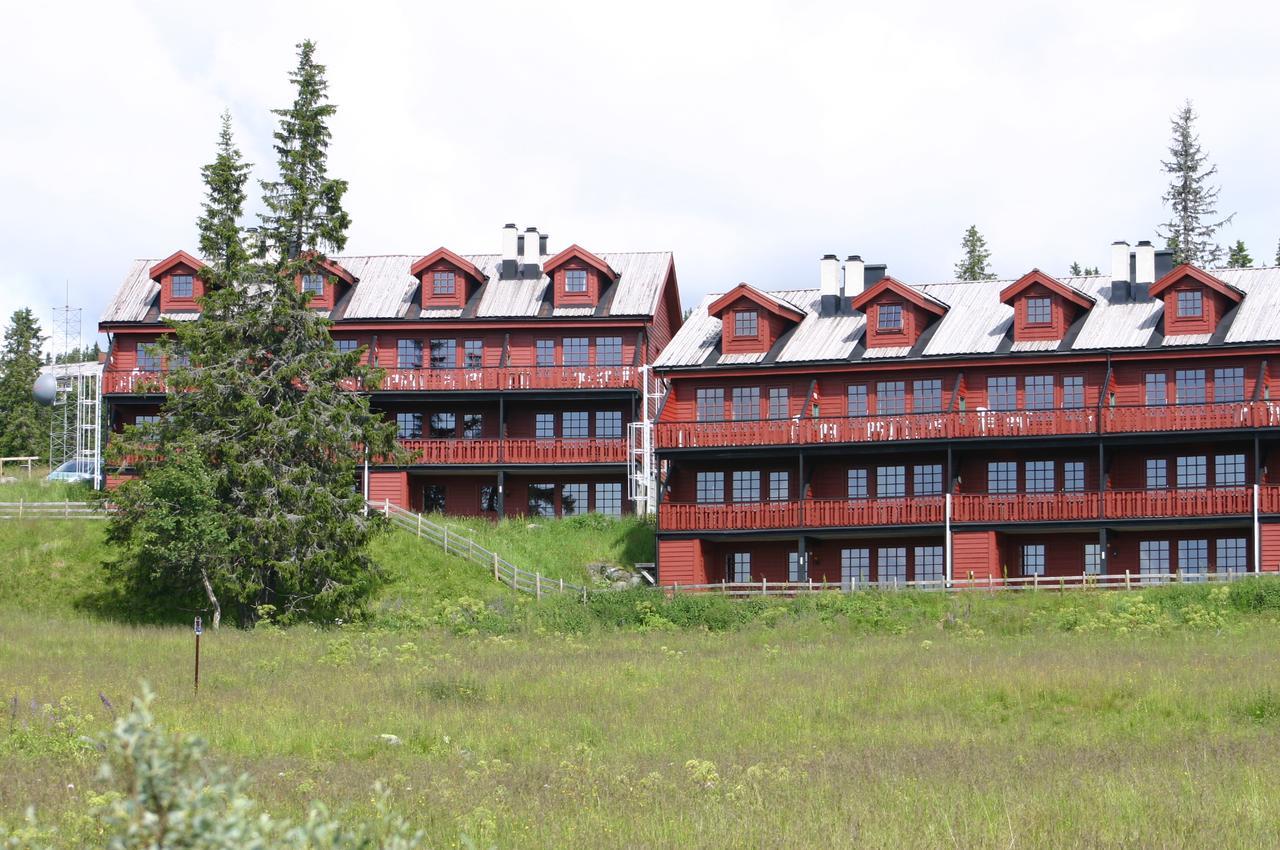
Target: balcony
x,y
966,424
515,451
502,378
135,381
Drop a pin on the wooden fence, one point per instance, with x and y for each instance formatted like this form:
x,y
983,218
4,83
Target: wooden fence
x,y
51,510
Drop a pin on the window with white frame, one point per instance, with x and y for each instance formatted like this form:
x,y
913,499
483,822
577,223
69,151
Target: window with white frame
x,y
710,488
1228,384
779,485
444,354
926,479
577,351
544,352
746,402
1193,558
1156,388
182,286
709,404
1033,559
1093,559
740,566
892,563
1153,557
929,563
575,424
889,317
542,500
797,570
1039,311
313,284
1002,393
926,395
608,424
1228,470
855,566
409,354
544,426
779,403
443,283
1157,473
1073,476
891,398
857,481
1039,476
575,280
409,426
746,485
1232,554
856,400
1002,476
891,482
1073,392
444,426
609,498
1193,471
608,351
1190,304
746,323
473,353
1039,392
573,499
1189,386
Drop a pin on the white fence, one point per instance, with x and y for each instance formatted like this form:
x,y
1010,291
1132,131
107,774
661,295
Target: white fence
x,y
51,510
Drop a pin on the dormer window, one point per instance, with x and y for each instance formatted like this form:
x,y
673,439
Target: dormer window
x,y
1190,304
575,280
896,314
1194,303
746,323
578,278
443,283
313,284
183,286
1043,309
1039,311
889,318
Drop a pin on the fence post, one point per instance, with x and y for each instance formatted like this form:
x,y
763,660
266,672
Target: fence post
x,y
1126,580
419,524
562,585
446,539
386,506
764,587
537,585
66,507
496,577
20,503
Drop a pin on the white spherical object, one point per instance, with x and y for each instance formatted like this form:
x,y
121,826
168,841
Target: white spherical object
x,y
45,389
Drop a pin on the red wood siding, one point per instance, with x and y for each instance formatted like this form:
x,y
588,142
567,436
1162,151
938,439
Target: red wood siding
x,y
1213,305
463,285
563,298
769,326
388,485
681,562
171,304
976,554
1270,545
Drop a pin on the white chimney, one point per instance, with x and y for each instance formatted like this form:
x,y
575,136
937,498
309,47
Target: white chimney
x,y
854,276
829,284
532,263
1146,263
510,241
1120,261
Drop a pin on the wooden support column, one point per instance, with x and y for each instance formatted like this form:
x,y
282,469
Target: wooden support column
x,y
1105,566
502,494
802,554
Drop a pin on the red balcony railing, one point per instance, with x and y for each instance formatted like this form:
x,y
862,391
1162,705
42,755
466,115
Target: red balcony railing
x,y
1024,507
673,516
847,512
1220,501
522,451
511,378
1188,417
132,382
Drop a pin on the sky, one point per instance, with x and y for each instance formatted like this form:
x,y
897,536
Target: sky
x,y
749,138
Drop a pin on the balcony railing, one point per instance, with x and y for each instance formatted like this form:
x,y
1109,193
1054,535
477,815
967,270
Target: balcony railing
x,y
967,424
132,382
968,508
511,378
519,451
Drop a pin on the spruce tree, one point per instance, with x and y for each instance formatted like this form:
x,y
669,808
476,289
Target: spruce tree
x,y
1239,257
1191,199
24,425
1278,253
221,240
975,265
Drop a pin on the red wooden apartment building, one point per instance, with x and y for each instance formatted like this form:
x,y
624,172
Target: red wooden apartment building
x,y
877,431
512,376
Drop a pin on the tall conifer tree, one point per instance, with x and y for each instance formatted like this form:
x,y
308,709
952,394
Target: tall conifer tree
x,y
1191,199
221,239
976,262
1239,258
24,425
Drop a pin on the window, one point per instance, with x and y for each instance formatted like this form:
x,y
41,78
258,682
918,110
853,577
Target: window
x,y
1190,304
473,353
779,403
575,280
433,499
1073,392
409,425
182,286
544,352
709,404
1193,471
608,351
746,323
575,425
746,486
313,284
608,424
1228,384
146,419
443,283
576,351
409,354
855,566
926,396
346,346
1193,558
1189,386
891,482
444,425
542,500
609,498
1093,559
1228,471
1039,392
472,426
929,564
746,402
927,479
149,358
710,488
779,486
1039,311
1157,473
857,484
892,561
1153,557
1040,476
856,400
544,426
740,566
1233,555
179,360
889,317
797,569
573,499
1155,386
891,398
1002,477
444,353
489,499
1002,393
1073,476
1033,559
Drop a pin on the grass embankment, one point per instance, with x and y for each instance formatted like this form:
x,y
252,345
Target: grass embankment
x,y
36,489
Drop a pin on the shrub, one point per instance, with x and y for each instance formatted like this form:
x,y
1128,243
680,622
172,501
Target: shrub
x,y
1255,595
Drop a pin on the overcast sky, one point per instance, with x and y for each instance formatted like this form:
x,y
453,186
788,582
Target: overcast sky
x,y
748,138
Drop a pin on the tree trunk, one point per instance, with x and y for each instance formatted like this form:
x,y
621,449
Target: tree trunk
x,y
213,600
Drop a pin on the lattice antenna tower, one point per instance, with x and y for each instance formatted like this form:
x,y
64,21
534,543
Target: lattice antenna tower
x,y
65,434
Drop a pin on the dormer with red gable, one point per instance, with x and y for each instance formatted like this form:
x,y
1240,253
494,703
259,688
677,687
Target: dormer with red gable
x,y
447,280
751,321
180,285
1043,308
324,280
896,313
1194,300
578,277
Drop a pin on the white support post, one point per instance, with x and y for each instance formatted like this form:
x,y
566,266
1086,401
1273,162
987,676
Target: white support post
x,y
1257,532
946,540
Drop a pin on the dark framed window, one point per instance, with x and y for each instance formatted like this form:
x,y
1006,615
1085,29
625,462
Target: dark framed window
x,y
1189,386
182,286
1039,311
444,354
608,424
444,425
409,425
709,404
1002,476
575,280
891,482
1002,393
779,485
796,567
857,484
1232,554
472,426
746,485
1190,303
779,403
855,566
740,566
1193,557
710,488
926,479
489,499
1093,559
1228,384
608,351
891,398
433,498
146,419
1073,391
1157,473
1038,392
575,424
179,360
746,402
855,403
473,353
545,352
313,284
346,346
1153,556
1193,471
443,283
544,426
574,499
746,323
1229,470
408,354
1039,476
609,498
892,564
929,563
1156,388
577,351
1033,559
542,500
149,357
1073,476
926,396
889,317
